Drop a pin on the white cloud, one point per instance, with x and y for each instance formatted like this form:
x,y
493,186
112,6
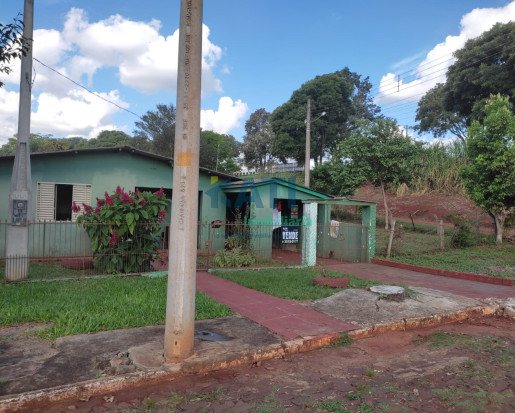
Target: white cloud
x,y
145,60
9,102
433,68
79,113
227,117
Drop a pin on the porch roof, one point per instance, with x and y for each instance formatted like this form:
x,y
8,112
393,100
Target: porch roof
x,y
251,183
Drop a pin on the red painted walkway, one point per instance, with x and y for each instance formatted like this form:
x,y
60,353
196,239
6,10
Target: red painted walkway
x,y
471,289
286,318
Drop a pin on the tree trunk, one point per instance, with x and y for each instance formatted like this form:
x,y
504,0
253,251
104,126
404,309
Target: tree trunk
x,y
390,239
499,218
495,223
442,235
386,209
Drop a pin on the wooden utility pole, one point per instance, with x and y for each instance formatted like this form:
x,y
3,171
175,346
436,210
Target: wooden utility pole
x,y
180,304
20,194
307,160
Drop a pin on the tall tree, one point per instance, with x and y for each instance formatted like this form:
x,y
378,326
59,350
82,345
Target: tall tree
x,y
12,44
484,66
490,175
217,152
257,142
343,96
158,127
435,118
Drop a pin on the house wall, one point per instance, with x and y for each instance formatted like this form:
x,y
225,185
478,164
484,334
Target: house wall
x,y
262,209
104,171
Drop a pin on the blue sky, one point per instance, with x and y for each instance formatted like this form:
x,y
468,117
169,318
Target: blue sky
x,y
256,53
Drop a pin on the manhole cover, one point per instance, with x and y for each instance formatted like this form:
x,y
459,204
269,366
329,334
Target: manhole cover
x,y
390,292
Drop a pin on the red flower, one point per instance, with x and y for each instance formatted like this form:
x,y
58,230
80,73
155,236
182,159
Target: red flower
x,y
161,215
75,207
109,199
142,202
159,193
113,241
87,208
100,202
97,210
118,190
126,199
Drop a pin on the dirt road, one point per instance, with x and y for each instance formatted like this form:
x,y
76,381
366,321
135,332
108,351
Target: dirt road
x,y
463,367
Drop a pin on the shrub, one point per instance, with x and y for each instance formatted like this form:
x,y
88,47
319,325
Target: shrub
x,y
235,254
461,237
124,229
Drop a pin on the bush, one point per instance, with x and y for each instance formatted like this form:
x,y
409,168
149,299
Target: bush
x,y
461,237
124,229
235,254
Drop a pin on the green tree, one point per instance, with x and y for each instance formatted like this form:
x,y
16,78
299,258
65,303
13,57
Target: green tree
x,y
337,176
38,143
490,175
158,127
343,96
109,138
484,66
217,152
12,44
433,116
377,151
257,143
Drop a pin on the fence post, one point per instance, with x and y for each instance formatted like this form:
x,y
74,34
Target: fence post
x,y
441,232
390,239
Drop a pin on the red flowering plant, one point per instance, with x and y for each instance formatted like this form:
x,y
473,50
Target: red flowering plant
x,y
124,229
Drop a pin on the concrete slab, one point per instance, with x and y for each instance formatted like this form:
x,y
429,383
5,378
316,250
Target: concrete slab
x,y
364,308
29,364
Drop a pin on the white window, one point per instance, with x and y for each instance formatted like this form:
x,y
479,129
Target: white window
x,y
54,200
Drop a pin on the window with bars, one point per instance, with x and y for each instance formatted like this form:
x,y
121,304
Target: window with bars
x,y
54,200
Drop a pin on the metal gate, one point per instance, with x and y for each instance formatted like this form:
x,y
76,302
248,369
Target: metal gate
x,y
342,241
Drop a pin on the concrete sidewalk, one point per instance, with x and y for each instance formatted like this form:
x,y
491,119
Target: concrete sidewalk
x,y
465,288
77,367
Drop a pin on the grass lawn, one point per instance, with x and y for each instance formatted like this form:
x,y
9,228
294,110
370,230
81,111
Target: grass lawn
x,y
292,283
94,304
422,248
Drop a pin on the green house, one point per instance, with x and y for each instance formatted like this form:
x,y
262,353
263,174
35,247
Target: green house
x,y
270,211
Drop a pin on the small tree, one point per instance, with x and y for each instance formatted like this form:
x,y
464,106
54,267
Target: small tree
x,y
489,177
124,229
378,152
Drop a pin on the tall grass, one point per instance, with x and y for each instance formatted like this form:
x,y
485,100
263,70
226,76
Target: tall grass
x,y
438,170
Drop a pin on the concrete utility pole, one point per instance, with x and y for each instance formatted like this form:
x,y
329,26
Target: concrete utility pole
x,y
20,194
307,160
180,304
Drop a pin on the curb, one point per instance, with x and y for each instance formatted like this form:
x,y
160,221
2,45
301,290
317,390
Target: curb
x,y
87,389
194,365
446,273
424,321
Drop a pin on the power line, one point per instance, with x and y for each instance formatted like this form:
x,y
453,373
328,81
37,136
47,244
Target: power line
x,y
86,89
329,106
